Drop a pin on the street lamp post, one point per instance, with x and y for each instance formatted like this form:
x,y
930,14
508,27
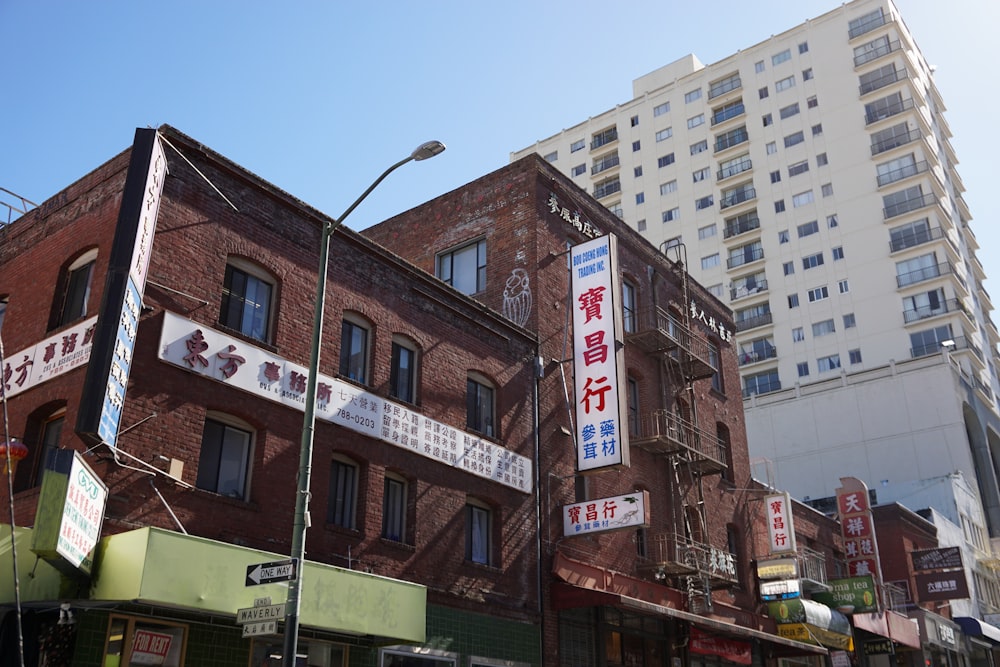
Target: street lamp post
x,y
301,521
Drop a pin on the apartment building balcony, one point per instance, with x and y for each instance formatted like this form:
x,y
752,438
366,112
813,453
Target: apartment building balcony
x,y
879,147
731,139
942,307
604,138
746,255
935,347
879,51
883,81
663,432
873,23
756,354
607,188
748,323
888,111
742,289
915,238
727,112
657,332
741,224
740,196
902,173
737,167
923,274
669,554
723,86
908,205
605,163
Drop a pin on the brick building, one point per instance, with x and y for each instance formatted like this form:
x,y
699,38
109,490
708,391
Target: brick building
x,y
423,504
683,588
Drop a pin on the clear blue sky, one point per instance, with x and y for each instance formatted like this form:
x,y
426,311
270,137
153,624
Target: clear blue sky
x,y
318,97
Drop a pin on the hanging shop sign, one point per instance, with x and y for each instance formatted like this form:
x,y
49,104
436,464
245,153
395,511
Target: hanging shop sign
x,y
936,559
598,358
603,515
780,526
858,529
851,595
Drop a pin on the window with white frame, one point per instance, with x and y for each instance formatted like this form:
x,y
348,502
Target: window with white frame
x,y
672,214
343,498
665,160
247,294
788,268
224,459
668,187
798,335
772,148
710,262
661,109
629,312
703,203
695,121
478,532
793,139
823,328
664,134
803,368
821,160
699,147
707,231
758,67
849,321
480,406
854,356
701,175
354,346
789,111
837,252
577,145
781,57
828,363
819,293
827,189
798,168
579,169
808,229
802,198
843,286
552,157
812,261
464,268
793,300
692,96
812,102
785,84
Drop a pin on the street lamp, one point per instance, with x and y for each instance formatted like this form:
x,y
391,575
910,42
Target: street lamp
x,y
301,521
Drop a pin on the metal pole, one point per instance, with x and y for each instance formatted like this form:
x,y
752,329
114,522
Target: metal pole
x,y
301,520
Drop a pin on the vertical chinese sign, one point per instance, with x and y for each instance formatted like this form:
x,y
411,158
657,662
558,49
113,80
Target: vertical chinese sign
x,y
601,436
858,530
118,320
780,529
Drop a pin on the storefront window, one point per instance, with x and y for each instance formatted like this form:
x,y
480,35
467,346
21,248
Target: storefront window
x,y
311,653
409,656
142,641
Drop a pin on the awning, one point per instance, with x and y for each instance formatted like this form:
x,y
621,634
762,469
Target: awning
x,y
167,569
566,596
976,628
806,620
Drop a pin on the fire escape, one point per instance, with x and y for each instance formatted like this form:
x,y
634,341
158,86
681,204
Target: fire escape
x,y
14,210
682,554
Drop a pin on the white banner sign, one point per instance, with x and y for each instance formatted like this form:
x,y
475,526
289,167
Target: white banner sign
x,y
204,351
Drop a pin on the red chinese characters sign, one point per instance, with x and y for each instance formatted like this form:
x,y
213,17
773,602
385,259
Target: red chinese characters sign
x,y
601,439
780,529
857,529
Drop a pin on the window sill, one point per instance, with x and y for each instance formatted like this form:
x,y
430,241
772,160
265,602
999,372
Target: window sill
x,y
395,544
236,333
482,566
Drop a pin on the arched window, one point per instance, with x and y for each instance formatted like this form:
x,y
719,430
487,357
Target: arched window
x,y
247,299
77,281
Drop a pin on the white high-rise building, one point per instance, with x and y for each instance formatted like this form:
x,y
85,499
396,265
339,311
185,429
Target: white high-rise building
x,y
809,181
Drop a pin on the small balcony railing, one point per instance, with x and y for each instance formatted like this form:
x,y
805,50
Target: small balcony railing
x,y
753,322
743,288
936,346
745,256
741,225
888,111
727,141
882,81
672,555
724,86
876,53
604,138
746,164
761,388
606,189
737,197
728,112
944,306
907,205
915,238
895,141
757,353
922,274
866,27
658,332
663,432
605,164
899,174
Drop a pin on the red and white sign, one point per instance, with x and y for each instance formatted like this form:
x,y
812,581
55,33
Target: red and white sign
x,y
780,528
732,650
150,648
601,434
857,529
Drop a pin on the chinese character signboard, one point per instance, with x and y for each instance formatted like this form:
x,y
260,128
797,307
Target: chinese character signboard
x,y
857,528
607,514
855,595
121,303
239,364
936,559
601,436
780,529
70,511
58,354
941,586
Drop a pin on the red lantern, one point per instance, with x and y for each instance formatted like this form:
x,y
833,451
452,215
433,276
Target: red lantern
x,y
11,452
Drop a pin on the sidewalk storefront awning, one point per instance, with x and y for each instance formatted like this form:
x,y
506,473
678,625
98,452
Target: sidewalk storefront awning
x,y
809,621
977,628
565,596
167,569
891,625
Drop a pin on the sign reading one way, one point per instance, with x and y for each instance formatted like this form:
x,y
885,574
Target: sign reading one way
x,y
269,573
